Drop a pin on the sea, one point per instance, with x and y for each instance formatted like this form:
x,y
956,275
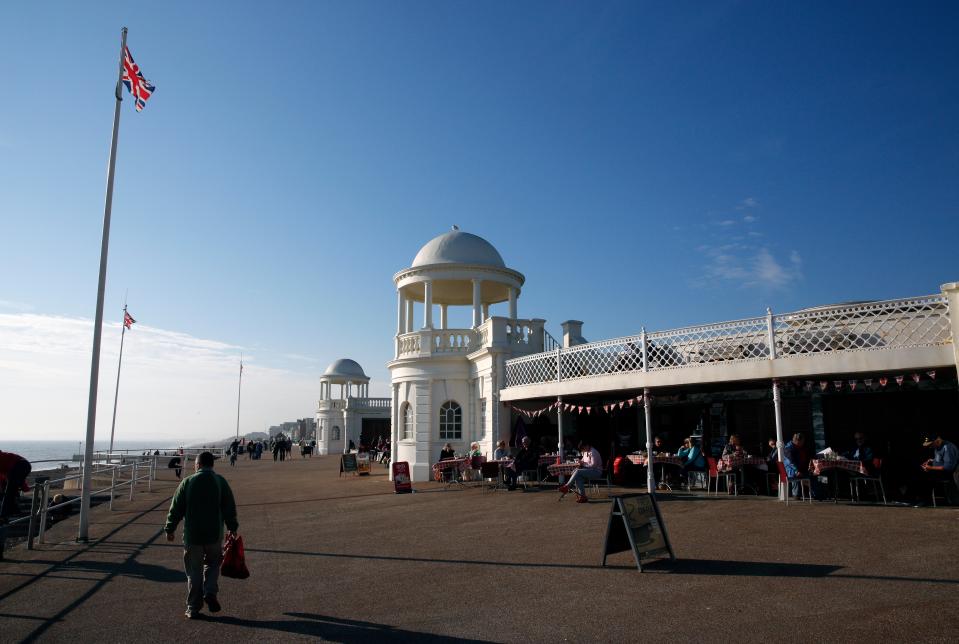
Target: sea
x,y
50,455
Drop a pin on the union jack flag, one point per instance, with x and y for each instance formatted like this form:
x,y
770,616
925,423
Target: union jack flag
x,y
128,320
140,88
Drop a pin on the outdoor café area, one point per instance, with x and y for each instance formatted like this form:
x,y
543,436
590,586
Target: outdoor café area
x,y
861,440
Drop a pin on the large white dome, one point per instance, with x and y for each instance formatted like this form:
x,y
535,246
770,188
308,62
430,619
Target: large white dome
x,y
345,368
457,247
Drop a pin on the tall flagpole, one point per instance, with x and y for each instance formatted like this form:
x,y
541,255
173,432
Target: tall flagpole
x,y
116,393
239,390
82,534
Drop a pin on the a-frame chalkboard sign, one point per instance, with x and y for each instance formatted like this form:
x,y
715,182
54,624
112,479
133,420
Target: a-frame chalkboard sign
x,y
636,524
348,464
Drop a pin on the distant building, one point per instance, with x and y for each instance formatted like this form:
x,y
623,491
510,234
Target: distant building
x,y
348,417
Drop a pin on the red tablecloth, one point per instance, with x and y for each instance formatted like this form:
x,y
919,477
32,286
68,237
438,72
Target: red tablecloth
x,y
818,466
564,469
735,461
462,464
547,459
640,459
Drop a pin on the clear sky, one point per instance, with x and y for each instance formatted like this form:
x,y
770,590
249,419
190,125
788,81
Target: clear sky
x,y
656,164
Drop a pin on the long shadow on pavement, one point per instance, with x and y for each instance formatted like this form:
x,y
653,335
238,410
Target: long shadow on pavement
x,y
339,630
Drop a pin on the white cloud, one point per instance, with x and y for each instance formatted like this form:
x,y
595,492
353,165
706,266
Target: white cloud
x,y
174,386
747,203
10,305
749,219
751,267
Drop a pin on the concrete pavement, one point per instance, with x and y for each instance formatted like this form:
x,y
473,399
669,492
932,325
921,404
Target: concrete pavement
x,y
344,559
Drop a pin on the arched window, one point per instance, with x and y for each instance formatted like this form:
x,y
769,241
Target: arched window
x,y
335,434
451,421
407,421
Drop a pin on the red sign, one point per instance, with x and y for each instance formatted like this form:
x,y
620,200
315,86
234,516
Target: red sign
x,y
401,478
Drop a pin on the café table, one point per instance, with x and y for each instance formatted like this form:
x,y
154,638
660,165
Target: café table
x,y
460,464
830,467
734,463
661,460
562,469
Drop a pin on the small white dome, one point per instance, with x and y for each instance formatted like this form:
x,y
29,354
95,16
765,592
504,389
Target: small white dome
x,y
457,247
346,368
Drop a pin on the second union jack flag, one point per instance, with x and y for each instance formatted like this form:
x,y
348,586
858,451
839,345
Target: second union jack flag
x,y
140,88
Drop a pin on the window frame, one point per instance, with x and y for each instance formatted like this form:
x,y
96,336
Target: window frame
x,y
451,429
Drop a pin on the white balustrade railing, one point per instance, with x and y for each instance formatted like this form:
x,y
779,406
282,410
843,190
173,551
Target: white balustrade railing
x,y
372,403
892,324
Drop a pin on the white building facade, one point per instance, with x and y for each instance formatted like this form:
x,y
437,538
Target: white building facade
x,y
345,408
445,381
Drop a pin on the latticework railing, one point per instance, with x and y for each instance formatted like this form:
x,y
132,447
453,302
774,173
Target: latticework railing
x,y
893,324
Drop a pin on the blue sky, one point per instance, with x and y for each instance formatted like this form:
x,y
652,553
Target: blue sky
x,y
641,163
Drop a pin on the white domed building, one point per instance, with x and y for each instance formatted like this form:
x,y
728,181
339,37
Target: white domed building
x,y
351,414
445,380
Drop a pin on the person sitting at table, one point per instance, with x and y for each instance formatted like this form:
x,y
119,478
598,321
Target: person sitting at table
x,y
773,456
526,460
862,452
590,467
501,451
733,447
942,465
796,461
447,452
692,455
658,446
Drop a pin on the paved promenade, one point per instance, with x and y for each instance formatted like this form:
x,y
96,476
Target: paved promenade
x,y
346,560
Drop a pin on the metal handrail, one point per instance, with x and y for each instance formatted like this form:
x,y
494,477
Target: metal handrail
x,y
40,507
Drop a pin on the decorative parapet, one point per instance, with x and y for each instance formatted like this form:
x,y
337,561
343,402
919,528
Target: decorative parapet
x,y
369,403
519,337
874,326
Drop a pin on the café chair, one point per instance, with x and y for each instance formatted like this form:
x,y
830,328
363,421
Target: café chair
x,y
805,484
603,481
875,481
714,475
947,488
491,474
530,477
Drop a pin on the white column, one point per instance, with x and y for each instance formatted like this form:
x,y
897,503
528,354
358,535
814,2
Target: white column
x,y
512,304
777,407
409,315
443,308
650,474
477,296
485,312
394,425
559,425
400,313
428,304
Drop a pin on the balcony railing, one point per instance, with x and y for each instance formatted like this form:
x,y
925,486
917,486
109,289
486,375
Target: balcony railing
x,y
370,403
892,324
519,336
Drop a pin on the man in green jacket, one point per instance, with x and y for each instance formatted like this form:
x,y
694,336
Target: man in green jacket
x,y
204,502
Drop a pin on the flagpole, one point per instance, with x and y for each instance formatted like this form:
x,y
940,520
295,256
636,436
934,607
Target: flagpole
x,y
82,534
239,391
116,393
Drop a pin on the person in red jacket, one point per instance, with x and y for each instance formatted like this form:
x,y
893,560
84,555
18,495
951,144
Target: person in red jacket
x,y
14,470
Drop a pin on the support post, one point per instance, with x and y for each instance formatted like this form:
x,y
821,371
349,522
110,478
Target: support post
x,y
34,509
512,304
82,532
133,479
113,483
559,425
650,459
428,304
777,406
770,333
44,503
443,308
645,348
116,393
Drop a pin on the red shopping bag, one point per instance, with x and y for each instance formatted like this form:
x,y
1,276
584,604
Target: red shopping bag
x,y
234,559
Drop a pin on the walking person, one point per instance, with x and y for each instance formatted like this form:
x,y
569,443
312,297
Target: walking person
x,y
204,502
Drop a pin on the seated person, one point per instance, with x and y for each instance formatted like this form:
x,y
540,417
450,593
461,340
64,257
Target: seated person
x,y
733,447
447,452
773,456
862,452
526,460
658,446
796,461
692,455
590,467
476,459
14,470
942,465
501,451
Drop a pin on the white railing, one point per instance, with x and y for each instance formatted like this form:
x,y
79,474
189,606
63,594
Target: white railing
x,y
892,324
333,403
371,403
122,475
427,342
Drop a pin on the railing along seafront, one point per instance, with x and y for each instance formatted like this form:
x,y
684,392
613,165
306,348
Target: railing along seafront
x,y
891,324
101,463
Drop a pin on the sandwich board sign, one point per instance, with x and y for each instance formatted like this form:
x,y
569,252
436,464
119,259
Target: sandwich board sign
x,y
636,524
348,463
402,483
